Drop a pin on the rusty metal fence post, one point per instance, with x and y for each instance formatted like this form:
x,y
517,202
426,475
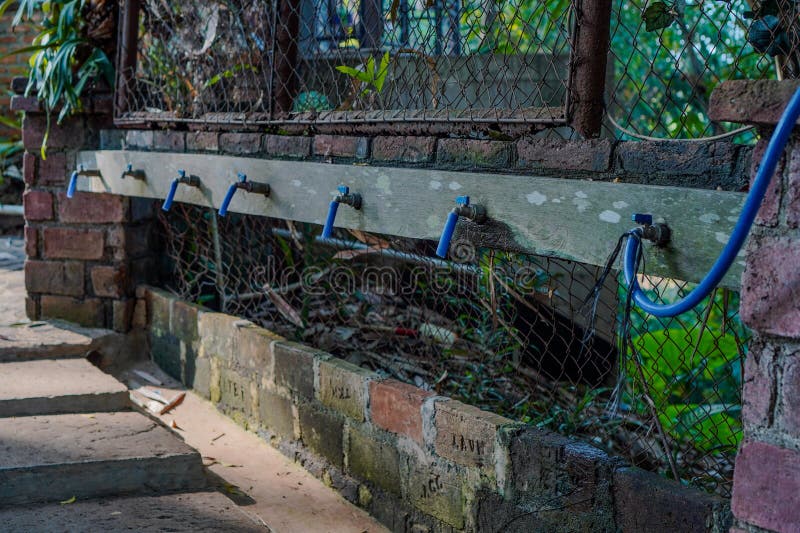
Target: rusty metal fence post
x,y
589,60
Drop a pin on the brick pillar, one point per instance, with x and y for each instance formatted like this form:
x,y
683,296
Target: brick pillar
x,y
83,254
766,491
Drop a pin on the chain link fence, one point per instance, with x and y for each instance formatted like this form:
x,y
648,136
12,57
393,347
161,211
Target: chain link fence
x,y
520,335
258,62
265,61
667,56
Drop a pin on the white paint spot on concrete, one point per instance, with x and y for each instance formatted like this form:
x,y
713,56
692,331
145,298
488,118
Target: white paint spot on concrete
x,y
556,200
721,237
536,198
297,183
384,183
709,218
620,204
311,192
454,185
741,263
732,219
582,204
435,185
581,194
433,221
611,217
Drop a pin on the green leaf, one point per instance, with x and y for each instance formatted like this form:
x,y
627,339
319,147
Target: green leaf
x,y
67,502
383,71
354,73
657,16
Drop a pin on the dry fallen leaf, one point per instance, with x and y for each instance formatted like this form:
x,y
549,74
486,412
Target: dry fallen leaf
x,y
175,425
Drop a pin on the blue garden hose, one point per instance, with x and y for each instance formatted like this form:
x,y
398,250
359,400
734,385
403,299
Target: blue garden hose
x,y
757,191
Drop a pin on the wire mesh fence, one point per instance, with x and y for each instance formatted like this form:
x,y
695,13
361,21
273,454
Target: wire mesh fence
x,y
667,57
258,61
520,335
262,62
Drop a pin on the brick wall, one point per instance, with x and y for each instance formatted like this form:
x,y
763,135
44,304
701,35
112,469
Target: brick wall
x,y
16,65
717,165
416,461
83,254
766,491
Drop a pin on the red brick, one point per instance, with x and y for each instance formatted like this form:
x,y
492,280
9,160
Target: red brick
x,y
474,153
109,281
766,487
38,205
173,141
54,277
758,394
404,149
29,168
770,301
31,242
397,407
341,146
53,170
287,145
592,155
69,243
70,134
771,205
792,189
240,143
91,208
32,307
751,101
89,312
202,141
789,405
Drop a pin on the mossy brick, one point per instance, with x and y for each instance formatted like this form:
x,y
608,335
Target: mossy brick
x,y
465,434
218,335
645,501
537,464
201,377
468,153
343,386
255,350
238,396
183,322
276,413
159,309
165,350
294,368
322,431
436,489
373,456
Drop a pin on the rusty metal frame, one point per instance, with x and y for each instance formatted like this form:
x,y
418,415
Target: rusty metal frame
x,y
582,108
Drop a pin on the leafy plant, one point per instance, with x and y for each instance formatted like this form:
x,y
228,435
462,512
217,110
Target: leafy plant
x,y
10,145
374,76
64,60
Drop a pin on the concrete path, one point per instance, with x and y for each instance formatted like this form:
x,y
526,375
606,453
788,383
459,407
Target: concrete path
x,y
99,466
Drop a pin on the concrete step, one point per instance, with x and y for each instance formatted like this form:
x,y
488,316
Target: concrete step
x,y
53,458
54,386
53,340
198,511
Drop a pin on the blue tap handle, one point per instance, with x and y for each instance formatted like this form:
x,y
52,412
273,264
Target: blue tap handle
x,y
327,231
447,234
226,202
223,208
170,195
73,182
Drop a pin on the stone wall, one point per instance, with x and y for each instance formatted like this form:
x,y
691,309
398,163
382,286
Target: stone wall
x,y
766,490
415,460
